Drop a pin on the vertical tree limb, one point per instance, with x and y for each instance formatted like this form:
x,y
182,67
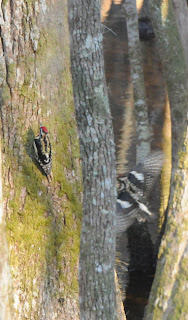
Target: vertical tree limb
x,y
97,251
135,57
181,14
168,299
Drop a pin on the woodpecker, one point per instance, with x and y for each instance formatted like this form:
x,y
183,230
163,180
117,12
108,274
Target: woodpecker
x,y
43,151
134,190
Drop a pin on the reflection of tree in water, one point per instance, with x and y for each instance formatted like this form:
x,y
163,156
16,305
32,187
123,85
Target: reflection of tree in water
x,y
139,244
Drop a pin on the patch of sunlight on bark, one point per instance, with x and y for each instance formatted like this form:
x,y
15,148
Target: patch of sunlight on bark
x,y
166,171
120,309
164,10
127,132
117,1
105,7
139,4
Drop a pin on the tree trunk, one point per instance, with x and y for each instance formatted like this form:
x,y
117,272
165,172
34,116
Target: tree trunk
x,y
97,251
168,299
5,279
42,219
135,57
181,14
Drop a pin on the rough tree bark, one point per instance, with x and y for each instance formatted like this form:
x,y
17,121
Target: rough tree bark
x,y
97,251
135,57
181,14
42,220
169,296
5,278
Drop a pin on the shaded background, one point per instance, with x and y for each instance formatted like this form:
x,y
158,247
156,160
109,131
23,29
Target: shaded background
x,y
136,248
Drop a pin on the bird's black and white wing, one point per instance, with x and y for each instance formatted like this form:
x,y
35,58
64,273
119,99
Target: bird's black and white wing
x,y
43,154
152,169
125,215
141,179
135,188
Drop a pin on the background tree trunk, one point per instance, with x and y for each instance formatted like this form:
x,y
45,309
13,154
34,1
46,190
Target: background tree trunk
x,y
135,57
97,251
169,294
181,14
42,220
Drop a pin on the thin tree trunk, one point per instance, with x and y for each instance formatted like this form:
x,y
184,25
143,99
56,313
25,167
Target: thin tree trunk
x,y
168,299
97,251
173,61
135,57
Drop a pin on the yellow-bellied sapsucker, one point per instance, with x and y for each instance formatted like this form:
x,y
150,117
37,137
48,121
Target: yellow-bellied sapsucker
x,y
134,191
43,151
